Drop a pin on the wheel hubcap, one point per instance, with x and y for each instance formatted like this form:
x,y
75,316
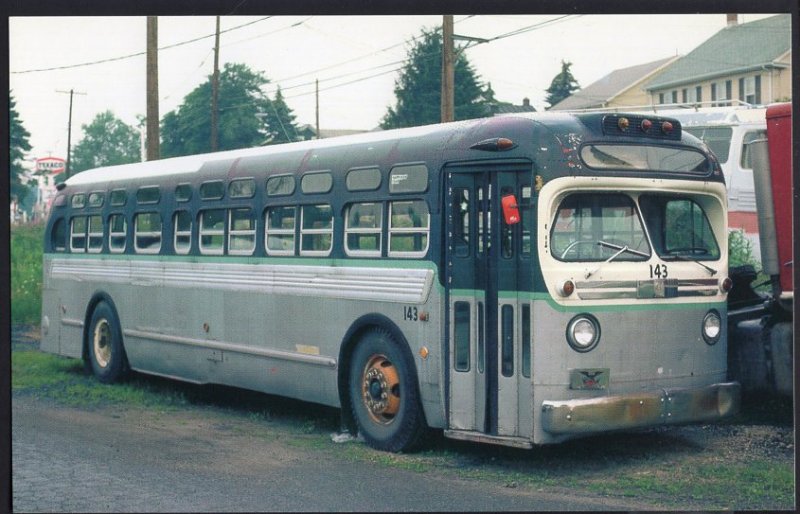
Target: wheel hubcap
x,y
381,389
102,343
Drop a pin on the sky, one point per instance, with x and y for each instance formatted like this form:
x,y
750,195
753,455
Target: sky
x,y
355,58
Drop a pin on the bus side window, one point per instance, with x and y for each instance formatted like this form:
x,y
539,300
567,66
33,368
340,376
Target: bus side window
x,y
409,224
242,232
279,230
58,236
95,239
183,232
77,235
363,225
212,231
316,230
147,232
117,233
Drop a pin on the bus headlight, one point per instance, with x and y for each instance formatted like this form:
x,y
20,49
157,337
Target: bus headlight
x,y
712,327
583,333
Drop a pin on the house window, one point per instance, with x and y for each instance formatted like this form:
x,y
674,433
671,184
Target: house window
x,y
750,89
675,96
661,98
698,94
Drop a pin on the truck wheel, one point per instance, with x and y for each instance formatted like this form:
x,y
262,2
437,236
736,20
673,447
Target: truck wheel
x,y
106,353
383,394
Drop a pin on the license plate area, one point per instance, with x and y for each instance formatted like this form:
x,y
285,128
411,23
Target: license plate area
x,y
589,378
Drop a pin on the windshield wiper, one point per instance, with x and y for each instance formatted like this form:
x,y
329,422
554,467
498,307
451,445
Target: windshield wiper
x,y
620,251
687,259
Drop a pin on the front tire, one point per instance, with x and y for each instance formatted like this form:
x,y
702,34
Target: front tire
x,y
383,394
107,357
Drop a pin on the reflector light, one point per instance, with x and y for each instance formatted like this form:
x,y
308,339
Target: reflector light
x,y
566,288
666,127
623,124
495,144
505,144
646,125
726,285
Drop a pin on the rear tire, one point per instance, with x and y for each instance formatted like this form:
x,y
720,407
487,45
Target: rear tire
x,y
107,357
383,394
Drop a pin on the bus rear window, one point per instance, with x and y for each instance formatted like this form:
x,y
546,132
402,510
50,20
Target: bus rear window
x,y
643,157
718,139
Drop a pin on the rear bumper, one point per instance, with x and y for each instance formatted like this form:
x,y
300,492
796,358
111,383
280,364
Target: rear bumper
x,y
637,410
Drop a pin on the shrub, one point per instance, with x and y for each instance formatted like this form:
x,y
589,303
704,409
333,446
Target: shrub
x,y
26,273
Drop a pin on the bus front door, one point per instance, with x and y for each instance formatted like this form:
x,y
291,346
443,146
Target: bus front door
x,y
489,315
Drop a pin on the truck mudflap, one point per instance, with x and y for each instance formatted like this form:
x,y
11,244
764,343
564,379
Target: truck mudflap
x,y
637,410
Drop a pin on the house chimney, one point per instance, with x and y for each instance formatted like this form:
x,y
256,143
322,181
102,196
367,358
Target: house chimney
x,y
732,19
526,102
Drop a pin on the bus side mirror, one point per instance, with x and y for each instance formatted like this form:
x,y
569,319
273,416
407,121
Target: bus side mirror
x,y
510,210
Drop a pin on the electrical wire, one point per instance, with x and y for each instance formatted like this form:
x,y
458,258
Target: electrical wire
x,y
137,54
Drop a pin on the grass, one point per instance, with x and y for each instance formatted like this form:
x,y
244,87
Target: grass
x,y
66,381
26,273
658,468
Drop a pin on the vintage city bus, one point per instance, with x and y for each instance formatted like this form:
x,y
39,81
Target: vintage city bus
x,y
516,280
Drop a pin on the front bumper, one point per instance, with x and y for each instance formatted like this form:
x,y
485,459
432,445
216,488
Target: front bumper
x,y
637,410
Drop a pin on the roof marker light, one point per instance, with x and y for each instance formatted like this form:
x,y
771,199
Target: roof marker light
x,y
623,124
666,127
497,144
646,125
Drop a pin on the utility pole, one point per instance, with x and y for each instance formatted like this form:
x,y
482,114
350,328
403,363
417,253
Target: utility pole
x,y
69,128
317,97
215,94
153,137
448,70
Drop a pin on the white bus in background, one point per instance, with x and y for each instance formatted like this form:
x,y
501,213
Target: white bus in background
x,y
728,131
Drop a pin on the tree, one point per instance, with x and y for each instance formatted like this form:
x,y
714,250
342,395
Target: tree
x,y
279,122
562,85
18,146
418,90
107,141
187,130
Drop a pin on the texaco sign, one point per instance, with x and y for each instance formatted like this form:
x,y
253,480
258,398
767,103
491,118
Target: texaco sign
x,y
50,165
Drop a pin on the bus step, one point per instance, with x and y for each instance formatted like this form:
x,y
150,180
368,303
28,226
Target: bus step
x,y
463,435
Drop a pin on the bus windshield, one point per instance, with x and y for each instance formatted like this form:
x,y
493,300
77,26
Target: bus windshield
x,y
585,221
679,227
643,157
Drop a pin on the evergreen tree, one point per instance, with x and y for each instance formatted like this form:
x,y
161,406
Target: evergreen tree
x,y
107,141
418,90
279,122
187,130
562,85
18,146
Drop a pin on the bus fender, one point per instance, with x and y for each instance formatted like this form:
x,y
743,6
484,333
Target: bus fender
x,y
349,341
97,297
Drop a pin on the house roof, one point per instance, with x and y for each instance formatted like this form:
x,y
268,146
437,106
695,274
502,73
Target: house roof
x,y
734,49
598,93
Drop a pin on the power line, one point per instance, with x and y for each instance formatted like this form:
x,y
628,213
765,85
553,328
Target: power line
x,y
137,54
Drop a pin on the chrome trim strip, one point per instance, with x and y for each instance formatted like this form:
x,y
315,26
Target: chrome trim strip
x,y
72,322
233,347
401,285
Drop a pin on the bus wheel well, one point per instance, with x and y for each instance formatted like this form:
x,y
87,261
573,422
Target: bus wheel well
x,y
357,330
97,297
